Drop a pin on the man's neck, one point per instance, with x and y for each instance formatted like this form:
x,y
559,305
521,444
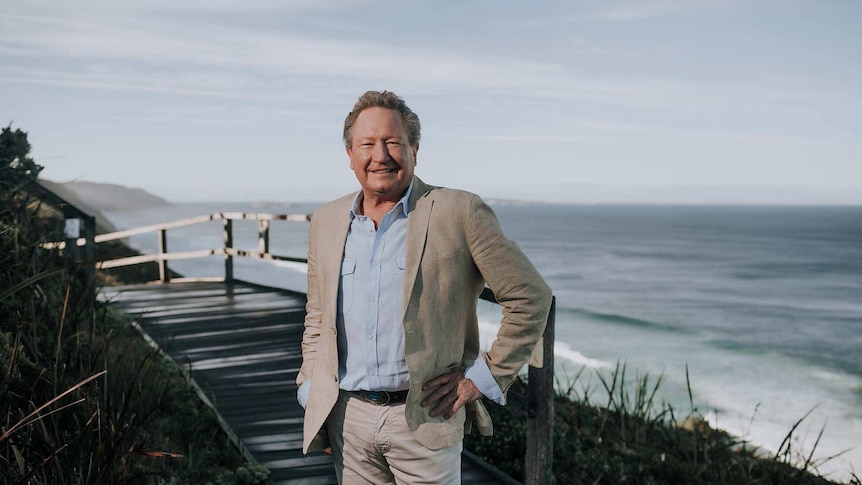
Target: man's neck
x,y
375,207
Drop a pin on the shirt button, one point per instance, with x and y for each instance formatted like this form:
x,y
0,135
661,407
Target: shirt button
x,y
373,299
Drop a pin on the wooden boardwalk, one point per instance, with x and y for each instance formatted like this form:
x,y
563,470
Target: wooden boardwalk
x,y
242,344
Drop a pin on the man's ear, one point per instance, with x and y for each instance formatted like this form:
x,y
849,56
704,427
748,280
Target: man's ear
x,y
415,155
348,150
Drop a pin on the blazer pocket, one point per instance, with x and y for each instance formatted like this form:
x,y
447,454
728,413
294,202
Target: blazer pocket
x,y
345,285
446,255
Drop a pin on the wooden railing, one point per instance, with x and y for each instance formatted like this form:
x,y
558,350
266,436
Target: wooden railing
x,y
537,405
163,256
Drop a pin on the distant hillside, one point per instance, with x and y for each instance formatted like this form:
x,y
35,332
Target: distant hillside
x,y
93,198
110,197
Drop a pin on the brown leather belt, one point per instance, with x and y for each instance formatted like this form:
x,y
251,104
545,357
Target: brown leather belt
x,y
380,398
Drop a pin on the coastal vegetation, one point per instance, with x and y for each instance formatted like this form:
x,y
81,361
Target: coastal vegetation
x,y
632,438
84,400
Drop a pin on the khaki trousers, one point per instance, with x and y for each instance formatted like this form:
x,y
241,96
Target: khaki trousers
x,y
372,444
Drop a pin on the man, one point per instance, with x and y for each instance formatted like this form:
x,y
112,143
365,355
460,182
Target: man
x,y
391,362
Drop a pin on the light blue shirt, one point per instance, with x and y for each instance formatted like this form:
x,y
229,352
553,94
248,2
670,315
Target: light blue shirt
x,y
369,324
370,329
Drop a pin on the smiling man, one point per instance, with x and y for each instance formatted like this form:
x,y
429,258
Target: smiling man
x,y
391,373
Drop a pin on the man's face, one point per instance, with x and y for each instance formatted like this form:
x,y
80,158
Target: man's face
x,y
381,155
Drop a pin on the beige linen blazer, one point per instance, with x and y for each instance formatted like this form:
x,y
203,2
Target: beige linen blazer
x,y
454,247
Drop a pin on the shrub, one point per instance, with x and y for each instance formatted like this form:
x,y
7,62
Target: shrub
x,y
630,438
83,399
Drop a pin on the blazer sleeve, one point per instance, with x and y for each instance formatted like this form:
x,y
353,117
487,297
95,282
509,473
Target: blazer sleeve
x,y
518,287
311,334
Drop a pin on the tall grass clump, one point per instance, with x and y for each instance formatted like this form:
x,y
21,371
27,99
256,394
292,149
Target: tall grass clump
x,y
83,399
619,433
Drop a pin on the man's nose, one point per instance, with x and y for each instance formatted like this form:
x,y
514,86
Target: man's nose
x,y
380,152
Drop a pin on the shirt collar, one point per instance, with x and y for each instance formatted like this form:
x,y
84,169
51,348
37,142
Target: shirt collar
x,y
403,203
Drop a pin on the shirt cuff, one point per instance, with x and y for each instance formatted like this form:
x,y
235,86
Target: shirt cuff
x,y
480,374
302,393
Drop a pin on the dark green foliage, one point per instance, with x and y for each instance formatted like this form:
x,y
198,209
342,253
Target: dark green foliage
x,y
631,439
16,167
83,399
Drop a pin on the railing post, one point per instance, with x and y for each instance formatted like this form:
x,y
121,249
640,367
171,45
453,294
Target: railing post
x,y
72,232
263,236
89,235
164,272
228,244
540,420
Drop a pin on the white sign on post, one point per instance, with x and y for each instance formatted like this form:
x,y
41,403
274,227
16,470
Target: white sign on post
x,y
72,229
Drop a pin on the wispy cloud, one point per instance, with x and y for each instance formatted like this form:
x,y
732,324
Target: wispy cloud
x,y
546,138
615,11
158,46
593,131
640,9
121,50
623,83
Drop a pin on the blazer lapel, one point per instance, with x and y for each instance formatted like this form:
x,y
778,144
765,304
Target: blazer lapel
x,y
419,214
331,254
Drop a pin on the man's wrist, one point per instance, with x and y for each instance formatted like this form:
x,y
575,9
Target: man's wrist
x,y
481,376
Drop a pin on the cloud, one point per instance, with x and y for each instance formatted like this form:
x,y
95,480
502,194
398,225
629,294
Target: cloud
x,y
635,10
159,46
129,51
639,10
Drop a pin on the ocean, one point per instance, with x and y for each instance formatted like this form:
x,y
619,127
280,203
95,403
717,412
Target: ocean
x,y
760,305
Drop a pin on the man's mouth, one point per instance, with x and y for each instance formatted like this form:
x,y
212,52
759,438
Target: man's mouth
x,y
383,171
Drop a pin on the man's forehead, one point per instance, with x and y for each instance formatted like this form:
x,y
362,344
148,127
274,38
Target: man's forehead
x,y
378,111
377,119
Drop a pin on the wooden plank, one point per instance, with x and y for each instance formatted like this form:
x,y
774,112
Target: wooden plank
x,y
241,343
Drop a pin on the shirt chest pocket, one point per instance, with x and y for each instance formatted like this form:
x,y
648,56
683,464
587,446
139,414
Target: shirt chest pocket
x,y
398,267
346,284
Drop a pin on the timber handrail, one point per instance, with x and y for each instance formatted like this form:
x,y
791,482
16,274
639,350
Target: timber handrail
x,y
163,256
537,406
113,236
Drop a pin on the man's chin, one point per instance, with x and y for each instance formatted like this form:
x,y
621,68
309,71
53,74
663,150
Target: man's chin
x,y
386,191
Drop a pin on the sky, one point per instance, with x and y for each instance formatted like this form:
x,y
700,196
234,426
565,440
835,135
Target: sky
x,y
656,101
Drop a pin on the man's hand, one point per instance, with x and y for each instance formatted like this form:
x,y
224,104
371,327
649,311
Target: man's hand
x,y
451,392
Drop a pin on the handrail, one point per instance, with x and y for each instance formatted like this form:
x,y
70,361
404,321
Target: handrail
x,y
537,406
163,256
112,236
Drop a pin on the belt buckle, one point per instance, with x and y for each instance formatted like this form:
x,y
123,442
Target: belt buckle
x,y
380,398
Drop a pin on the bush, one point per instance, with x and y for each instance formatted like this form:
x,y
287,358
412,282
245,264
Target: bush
x,y
632,439
83,399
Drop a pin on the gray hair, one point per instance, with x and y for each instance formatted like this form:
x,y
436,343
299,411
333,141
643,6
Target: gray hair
x,y
383,99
